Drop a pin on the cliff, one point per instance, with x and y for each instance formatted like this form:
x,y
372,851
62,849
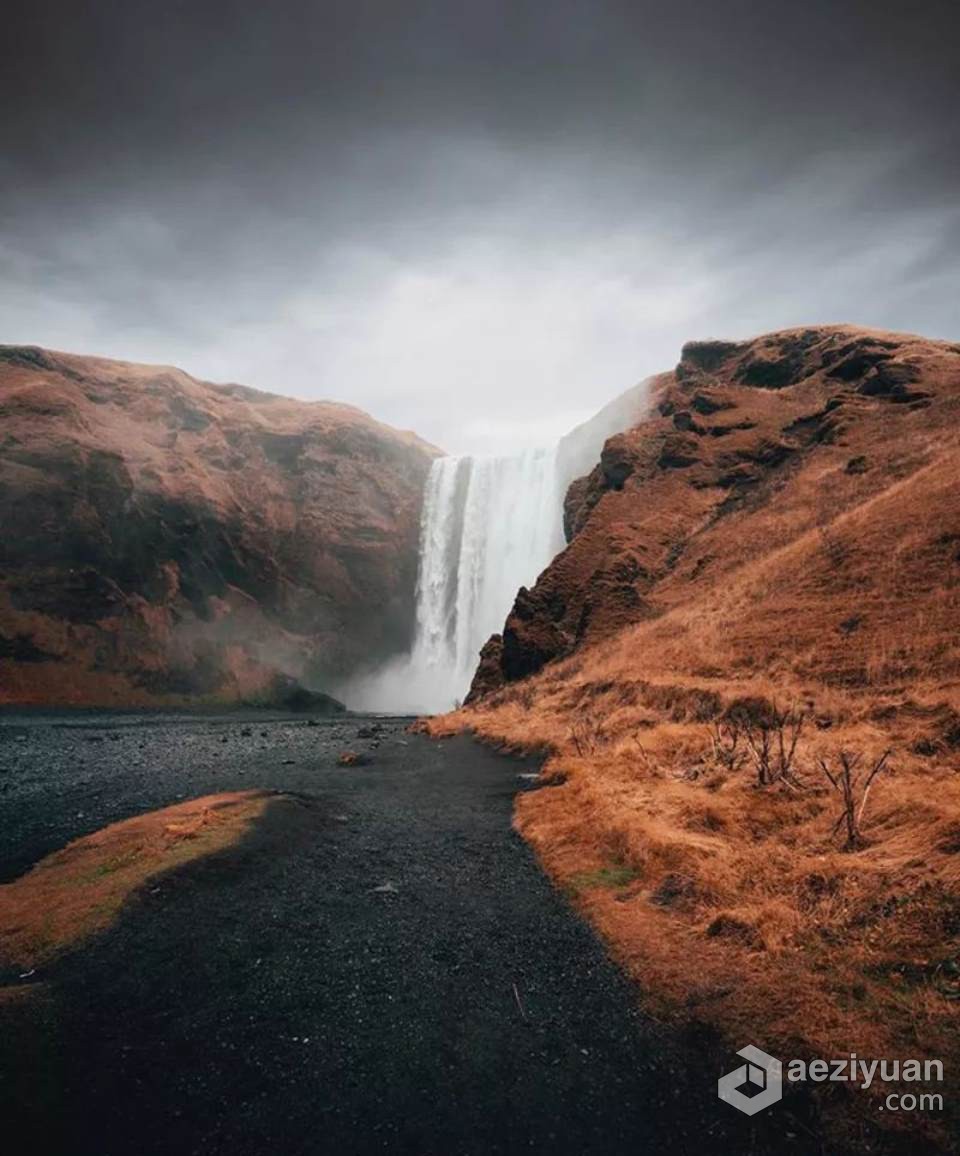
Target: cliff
x,y
772,480
164,539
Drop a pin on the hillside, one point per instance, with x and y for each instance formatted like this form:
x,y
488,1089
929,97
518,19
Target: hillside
x,y
773,554
163,539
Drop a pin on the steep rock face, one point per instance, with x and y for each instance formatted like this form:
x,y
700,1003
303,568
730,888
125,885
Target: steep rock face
x,y
488,673
162,538
750,447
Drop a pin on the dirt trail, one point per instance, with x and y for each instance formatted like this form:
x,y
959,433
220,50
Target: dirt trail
x,y
379,966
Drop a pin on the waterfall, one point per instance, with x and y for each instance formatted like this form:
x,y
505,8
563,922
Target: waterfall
x,y
489,526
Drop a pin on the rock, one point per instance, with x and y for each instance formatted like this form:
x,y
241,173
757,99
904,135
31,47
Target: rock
x,y
676,453
708,402
707,355
616,462
489,673
286,693
531,637
574,507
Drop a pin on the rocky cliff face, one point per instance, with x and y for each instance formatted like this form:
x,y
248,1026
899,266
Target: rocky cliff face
x,y
749,447
163,539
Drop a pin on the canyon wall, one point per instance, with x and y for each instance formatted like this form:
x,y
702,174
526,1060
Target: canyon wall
x,y
167,540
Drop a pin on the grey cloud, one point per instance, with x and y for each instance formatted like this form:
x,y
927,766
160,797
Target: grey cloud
x,y
480,220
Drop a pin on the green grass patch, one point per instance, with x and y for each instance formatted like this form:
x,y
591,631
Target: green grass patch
x,y
612,877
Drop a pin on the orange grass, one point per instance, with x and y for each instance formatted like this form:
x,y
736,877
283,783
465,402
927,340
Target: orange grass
x,y
735,905
79,890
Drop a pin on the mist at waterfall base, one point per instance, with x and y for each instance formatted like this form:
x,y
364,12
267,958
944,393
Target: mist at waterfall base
x,y
489,526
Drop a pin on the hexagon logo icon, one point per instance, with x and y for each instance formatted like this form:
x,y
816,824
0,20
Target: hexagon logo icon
x,y
762,1072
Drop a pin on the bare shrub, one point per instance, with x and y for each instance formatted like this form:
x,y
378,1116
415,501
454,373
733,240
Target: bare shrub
x,y
728,744
771,737
852,781
587,736
643,755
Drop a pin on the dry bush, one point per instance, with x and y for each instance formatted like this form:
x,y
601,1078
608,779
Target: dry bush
x,y
587,736
853,782
728,745
758,732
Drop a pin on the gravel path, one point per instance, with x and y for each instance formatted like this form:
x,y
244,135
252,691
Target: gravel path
x,y
379,967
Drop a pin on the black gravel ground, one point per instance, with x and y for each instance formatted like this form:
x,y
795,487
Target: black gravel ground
x,y
380,966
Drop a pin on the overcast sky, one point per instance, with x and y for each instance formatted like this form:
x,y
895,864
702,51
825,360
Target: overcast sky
x,y
478,220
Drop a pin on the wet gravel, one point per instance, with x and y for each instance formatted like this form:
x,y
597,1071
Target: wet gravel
x,y
62,776
380,966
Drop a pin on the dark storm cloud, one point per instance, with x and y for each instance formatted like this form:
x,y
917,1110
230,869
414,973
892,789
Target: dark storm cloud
x,y
459,214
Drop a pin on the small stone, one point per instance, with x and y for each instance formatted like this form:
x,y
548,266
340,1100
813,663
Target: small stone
x,y
352,759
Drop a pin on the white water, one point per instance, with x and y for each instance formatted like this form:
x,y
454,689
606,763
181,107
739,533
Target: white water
x,y
489,526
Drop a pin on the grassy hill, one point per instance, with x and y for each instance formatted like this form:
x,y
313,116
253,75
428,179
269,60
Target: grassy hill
x,y
762,589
